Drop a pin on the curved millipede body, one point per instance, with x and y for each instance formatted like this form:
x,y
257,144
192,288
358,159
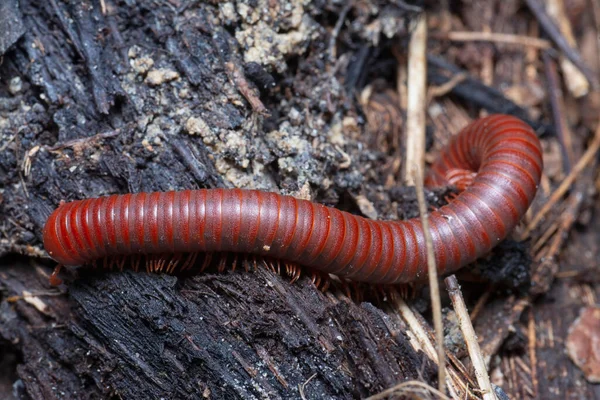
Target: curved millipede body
x,y
497,158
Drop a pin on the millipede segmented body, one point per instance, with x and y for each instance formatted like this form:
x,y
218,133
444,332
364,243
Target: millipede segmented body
x,y
498,158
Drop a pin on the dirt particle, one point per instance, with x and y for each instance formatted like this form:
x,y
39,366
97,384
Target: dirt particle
x,y
366,207
228,13
142,65
15,85
159,76
267,47
197,126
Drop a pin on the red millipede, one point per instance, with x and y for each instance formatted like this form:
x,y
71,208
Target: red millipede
x,y
498,159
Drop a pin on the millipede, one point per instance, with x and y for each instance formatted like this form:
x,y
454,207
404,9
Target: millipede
x,y
496,161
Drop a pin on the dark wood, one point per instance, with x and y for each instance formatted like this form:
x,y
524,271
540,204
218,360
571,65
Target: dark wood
x,y
230,335
99,102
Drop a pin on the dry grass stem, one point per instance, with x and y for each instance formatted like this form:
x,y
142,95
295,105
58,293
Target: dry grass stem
x,y
466,327
505,38
418,389
436,302
417,99
575,81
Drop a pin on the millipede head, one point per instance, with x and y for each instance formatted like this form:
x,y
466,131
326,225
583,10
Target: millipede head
x,y
54,279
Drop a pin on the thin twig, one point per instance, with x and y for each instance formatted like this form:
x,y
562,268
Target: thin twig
x,y
494,37
337,28
7,143
554,33
475,92
408,387
596,7
481,302
509,315
558,112
302,386
546,263
445,88
436,302
407,7
238,78
465,375
532,339
85,140
417,100
466,327
547,234
566,222
402,82
415,326
575,81
421,333
587,157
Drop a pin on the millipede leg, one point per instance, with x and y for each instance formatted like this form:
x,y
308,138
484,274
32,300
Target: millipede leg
x,y
234,262
160,263
152,263
173,263
206,261
121,263
222,263
269,265
346,289
135,262
112,263
326,284
294,271
316,279
450,197
403,291
149,264
193,260
359,292
378,293
188,262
